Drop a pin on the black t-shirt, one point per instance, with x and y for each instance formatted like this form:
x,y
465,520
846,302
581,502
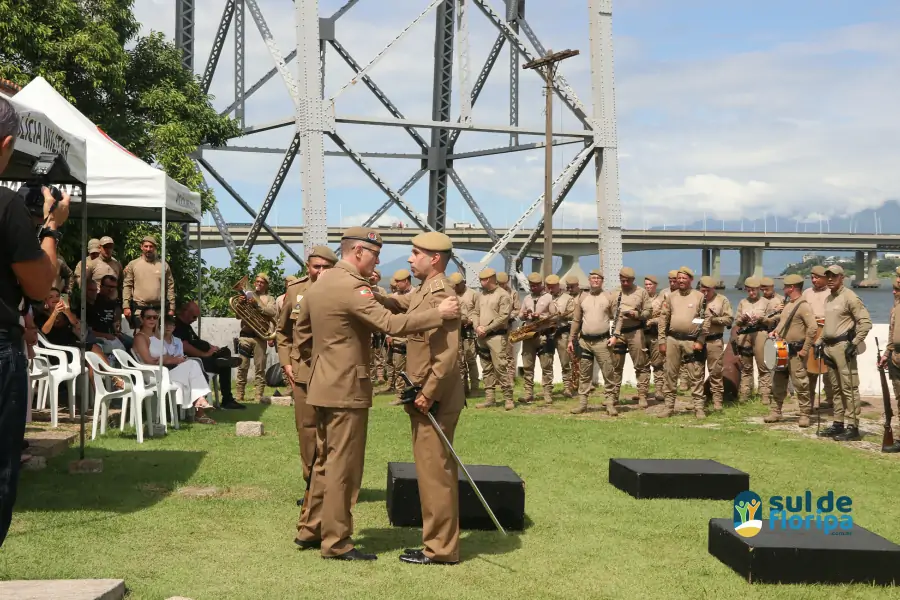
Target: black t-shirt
x,y
186,333
18,243
101,315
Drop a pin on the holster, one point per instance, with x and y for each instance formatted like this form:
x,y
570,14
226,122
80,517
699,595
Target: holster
x,y
619,348
794,348
467,332
548,345
379,340
577,350
243,348
483,351
695,356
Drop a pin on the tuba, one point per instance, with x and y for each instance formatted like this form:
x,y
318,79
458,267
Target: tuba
x,y
531,329
262,325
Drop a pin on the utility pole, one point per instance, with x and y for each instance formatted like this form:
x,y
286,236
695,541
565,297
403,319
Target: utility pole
x,y
547,67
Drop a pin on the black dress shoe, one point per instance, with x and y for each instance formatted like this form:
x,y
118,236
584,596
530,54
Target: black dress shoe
x,y
835,429
308,544
421,559
413,550
354,555
851,434
232,404
231,362
892,449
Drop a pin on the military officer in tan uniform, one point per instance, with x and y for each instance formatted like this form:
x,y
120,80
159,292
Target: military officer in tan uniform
x,y
573,287
776,301
397,345
721,316
682,333
141,286
296,370
651,336
503,280
891,358
673,287
333,329
250,345
590,330
565,308
816,296
379,364
797,328
753,320
93,253
847,322
494,307
634,308
468,309
433,364
537,305
106,264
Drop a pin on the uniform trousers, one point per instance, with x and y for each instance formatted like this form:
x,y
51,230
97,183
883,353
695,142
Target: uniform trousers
x,y
259,367
590,351
336,478
469,363
305,420
438,480
796,373
398,364
895,381
757,342
634,346
715,359
510,359
562,349
657,360
676,352
530,355
846,375
377,364
493,365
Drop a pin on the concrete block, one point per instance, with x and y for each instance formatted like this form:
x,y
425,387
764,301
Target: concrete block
x,y
35,463
64,589
88,465
277,400
249,428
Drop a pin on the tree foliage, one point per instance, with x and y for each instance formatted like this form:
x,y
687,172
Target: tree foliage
x,y
220,281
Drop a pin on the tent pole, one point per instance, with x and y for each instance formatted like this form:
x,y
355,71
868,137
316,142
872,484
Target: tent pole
x,y
163,313
199,280
84,372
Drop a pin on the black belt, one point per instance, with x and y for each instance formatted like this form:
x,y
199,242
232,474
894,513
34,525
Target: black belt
x,y
682,337
715,337
844,337
594,338
794,348
497,332
12,334
630,329
562,330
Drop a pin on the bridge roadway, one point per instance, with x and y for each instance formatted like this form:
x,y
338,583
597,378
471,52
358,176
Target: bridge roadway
x,y
583,242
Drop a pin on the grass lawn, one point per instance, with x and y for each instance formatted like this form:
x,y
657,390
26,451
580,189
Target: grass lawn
x,y
206,515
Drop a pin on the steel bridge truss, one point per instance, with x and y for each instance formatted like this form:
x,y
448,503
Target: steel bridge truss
x,y
315,117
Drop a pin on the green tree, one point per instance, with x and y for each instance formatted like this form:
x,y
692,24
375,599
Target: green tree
x,y
219,281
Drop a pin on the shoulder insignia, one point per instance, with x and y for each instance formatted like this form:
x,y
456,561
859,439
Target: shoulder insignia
x,y
438,285
365,291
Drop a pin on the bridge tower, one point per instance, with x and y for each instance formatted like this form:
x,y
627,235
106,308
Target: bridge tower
x,y
316,119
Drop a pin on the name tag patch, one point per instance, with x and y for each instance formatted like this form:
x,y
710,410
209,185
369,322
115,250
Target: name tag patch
x,y
697,321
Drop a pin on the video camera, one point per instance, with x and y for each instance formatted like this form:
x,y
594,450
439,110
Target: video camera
x,y
31,190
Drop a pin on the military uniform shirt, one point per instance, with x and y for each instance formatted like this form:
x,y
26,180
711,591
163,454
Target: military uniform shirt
x,y
759,308
564,303
816,299
656,306
593,314
141,284
776,303
284,333
394,338
98,269
802,327
468,306
894,330
637,300
679,313
494,308
845,311
720,314
541,306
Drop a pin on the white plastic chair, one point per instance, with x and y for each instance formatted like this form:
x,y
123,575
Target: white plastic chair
x,y
67,371
38,382
103,394
145,384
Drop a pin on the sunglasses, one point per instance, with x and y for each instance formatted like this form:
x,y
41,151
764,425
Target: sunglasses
x,y
151,316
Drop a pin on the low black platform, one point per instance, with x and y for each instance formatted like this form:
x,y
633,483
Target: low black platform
x,y
806,556
500,486
676,478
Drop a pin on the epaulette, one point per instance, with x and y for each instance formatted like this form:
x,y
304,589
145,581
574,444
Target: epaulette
x,y
437,285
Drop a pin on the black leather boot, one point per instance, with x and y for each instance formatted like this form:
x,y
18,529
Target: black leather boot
x,y
893,448
835,429
851,434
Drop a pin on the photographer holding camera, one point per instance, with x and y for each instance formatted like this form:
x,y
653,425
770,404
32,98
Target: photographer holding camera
x,y
27,269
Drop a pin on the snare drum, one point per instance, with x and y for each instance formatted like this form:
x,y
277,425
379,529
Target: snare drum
x,y
775,355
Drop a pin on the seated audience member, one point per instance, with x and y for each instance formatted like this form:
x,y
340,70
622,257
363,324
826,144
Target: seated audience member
x,y
107,315
215,360
149,345
100,318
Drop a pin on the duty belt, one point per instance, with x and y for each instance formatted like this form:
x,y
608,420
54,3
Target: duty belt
x,y
682,337
794,348
844,337
594,337
630,329
715,337
562,329
398,348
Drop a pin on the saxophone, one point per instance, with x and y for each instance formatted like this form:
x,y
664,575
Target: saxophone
x,y
532,328
250,314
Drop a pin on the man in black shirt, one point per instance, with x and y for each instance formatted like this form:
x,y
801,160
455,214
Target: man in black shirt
x,y
27,268
102,310
215,360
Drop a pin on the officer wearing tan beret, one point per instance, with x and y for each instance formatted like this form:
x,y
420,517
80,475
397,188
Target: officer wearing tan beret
x,y
494,308
503,280
767,290
816,295
537,305
673,284
797,328
634,308
721,317
753,321
651,335
296,370
468,312
573,287
333,329
565,308
590,330
396,345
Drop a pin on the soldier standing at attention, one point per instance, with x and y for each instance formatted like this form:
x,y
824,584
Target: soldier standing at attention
x,y
573,287
250,345
334,329
106,264
891,358
141,287
796,327
296,370
634,308
468,312
590,331
537,305
673,284
651,336
682,332
847,323
503,280
816,296
397,345
753,321
93,253
565,308
720,315
767,289
494,307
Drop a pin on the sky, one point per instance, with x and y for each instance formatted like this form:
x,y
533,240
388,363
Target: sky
x,y
724,110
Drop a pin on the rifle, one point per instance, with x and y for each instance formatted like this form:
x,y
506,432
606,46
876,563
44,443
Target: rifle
x,y
888,438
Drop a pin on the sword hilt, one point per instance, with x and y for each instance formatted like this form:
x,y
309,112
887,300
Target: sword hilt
x,y
411,392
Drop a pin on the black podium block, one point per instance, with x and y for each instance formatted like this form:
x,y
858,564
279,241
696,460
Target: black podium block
x,y
664,478
806,555
503,490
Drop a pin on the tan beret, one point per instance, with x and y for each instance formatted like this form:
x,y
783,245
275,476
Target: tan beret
x,y
596,272
572,279
363,234
456,278
793,279
707,282
751,282
767,281
502,277
94,245
835,270
820,270
401,275
627,272
433,241
535,278
687,271
487,273
263,276
551,279
105,240
673,274
376,273
323,252
651,278
146,238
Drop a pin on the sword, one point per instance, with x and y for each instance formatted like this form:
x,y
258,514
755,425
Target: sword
x,y
408,397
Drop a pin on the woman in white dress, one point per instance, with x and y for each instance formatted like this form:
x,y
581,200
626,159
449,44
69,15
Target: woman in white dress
x,y
182,371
